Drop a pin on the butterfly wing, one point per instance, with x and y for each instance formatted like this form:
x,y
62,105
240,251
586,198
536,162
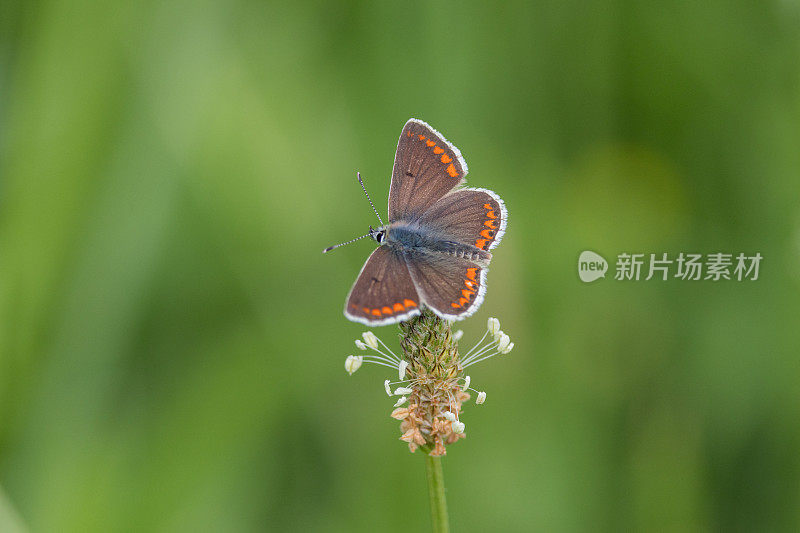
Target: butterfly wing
x,y
426,167
383,292
468,216
452,287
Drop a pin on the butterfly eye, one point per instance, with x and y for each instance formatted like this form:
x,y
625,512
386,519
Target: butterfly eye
x,y
379,237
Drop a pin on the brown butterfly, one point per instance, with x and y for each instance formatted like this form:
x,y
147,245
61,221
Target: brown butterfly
x,y
434,252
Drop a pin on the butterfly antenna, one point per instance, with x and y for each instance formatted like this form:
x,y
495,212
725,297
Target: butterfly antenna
x,y
368,198
329,248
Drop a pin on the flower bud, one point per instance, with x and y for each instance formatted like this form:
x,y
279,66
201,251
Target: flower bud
x,y
466,383
401,401
458,427
493,325
353,363
386,386
458,334
481,398
508,348
360,345
450,416
402,390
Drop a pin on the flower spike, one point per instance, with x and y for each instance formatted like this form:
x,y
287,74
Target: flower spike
x,y
432,383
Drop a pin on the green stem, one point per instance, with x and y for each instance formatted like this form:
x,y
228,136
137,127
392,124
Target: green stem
x,y
433,466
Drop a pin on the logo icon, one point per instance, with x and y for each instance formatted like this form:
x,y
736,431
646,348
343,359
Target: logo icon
x,y
591,266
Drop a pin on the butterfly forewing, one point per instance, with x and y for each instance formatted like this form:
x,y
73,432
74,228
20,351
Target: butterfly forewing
x,y
384,292
451,286
469,216
426,167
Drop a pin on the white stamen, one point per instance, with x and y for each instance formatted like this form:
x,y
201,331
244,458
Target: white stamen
x,y
450,416
466,383
401,401
376,361
401,369
458,427
493,325
370,339
498,335
360,345
481,398
353,363
467,356
508,348
386,386
503,343
402,390
458,334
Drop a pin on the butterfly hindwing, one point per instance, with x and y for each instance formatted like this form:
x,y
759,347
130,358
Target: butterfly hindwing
x,y
452,287
469,216
384,292
426,167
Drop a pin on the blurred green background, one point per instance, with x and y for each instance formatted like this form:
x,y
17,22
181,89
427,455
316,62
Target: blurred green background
x,y
172,342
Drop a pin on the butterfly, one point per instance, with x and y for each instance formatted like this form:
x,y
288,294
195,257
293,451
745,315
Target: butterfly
x,y
435,250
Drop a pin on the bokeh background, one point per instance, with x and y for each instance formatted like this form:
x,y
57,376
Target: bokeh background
x,y
172,342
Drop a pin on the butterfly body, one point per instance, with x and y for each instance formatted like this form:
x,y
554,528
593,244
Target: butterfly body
x,y
435,250
415,238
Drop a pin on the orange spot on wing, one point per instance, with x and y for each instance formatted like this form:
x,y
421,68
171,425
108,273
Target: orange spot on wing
x,y
490,224
480,243
446,158
487,206
469,284
366,309
430,143
376,312
387,310
487,233
452,170
408,134
491,215
421,137
462,301
409,303
466,293
437,150
471,273
398,306
455,305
